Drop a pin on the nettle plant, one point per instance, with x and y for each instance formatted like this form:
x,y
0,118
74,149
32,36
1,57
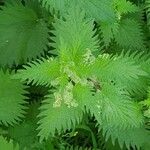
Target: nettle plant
x,y
74,75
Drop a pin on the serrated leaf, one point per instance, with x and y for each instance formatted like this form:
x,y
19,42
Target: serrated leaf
x,y
25,134
40,72
23,35
110,106
57,5
100,10
12,101
122,70
74,35
54,119
107,29
124,6
135,137
129,35
117,109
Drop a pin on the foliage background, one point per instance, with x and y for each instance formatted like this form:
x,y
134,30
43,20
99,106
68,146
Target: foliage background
x,y
74,74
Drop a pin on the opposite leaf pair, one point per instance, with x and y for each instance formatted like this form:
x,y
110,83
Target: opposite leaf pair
x,y
83,81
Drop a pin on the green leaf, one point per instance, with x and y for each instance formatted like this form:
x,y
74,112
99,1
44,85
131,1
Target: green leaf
x,y
74,36
25,134
129,35
57,5
83,93
124,7
7,146
86,99
123,70
110,106
12,100
112,146
107,29
117,108
41,72
110,28
23,35
101,10
58,118
138,137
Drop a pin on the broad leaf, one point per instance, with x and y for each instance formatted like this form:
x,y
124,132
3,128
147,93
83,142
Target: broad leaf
x,y
23,35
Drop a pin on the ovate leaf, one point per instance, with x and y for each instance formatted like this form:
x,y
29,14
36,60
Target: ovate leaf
x,y
129,34
75,35
117,109
59,118
23,34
